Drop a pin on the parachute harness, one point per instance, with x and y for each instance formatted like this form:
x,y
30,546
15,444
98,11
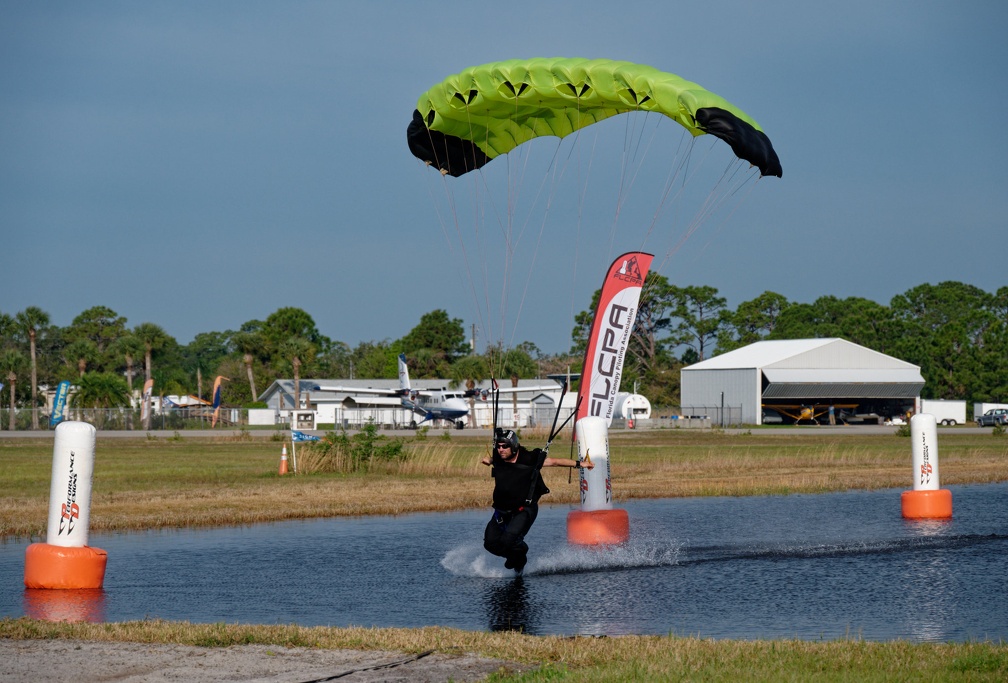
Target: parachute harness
x,y
545,450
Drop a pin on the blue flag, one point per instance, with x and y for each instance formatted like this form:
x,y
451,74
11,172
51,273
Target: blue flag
x,y
59,403
301,436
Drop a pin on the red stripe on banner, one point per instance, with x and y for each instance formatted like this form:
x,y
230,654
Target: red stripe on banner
x,y
610,334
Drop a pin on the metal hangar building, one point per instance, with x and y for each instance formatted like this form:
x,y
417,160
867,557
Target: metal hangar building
x,y
801,379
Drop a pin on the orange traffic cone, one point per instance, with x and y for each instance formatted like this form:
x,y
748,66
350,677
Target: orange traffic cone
x,y
283,461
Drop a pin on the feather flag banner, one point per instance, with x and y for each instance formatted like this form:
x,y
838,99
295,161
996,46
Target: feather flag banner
x,y
216,400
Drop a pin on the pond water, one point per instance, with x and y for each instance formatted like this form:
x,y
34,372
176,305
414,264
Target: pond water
x,y
801,566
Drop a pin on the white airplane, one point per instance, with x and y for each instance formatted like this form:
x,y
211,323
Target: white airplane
x,y
433,404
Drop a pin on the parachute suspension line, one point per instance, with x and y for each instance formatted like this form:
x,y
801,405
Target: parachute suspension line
x,y
682,173
717,199
481,199
635,153
453,207
454,211
621,190
582,185
555,173
727,188
677,179
478,238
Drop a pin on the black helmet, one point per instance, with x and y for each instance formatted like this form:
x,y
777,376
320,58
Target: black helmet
x,y
506,436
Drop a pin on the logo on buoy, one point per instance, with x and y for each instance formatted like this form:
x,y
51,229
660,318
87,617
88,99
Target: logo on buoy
x,y
926,465
70,511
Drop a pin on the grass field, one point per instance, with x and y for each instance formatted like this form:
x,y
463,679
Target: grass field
x,y
148,483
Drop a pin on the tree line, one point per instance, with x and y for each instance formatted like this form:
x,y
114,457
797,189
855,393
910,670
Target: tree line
x,y
956,333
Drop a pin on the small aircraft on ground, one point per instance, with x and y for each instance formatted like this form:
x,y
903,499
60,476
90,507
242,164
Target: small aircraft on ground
x,y
812,412
434,404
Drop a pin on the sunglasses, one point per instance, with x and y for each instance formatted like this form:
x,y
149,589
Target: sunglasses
x,y
503,445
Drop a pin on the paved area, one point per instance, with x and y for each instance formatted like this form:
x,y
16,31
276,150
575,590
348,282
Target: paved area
x,y
74,660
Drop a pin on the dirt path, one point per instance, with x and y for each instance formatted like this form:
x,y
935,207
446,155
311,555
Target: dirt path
x,y
76,660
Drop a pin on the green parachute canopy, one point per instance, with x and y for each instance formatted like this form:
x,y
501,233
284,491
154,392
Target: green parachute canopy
x,y
474,116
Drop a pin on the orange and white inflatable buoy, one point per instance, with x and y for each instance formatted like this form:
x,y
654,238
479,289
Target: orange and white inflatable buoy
x,y
283,460
56,566
65,560
598,527
926,500
597,522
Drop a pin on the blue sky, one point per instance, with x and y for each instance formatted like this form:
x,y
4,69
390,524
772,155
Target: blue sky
x,y
198,165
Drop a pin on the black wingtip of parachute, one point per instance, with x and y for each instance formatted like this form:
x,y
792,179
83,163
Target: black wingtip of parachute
x,y
449,154
747,142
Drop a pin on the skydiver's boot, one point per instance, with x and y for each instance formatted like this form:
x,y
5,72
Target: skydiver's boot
x,y
518,562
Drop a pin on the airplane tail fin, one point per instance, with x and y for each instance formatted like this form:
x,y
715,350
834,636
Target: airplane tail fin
x,y
403,373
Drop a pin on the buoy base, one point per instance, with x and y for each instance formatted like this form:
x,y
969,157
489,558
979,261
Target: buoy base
x,y
932,504
598,527
54,566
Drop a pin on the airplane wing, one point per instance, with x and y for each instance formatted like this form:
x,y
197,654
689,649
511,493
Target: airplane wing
x,y
360,390
486,393
539,387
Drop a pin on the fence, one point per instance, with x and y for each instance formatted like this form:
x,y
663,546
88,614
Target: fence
x,y
720,416
127,419
202,417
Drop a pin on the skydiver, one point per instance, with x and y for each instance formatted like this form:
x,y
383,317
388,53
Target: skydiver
x,y
515,500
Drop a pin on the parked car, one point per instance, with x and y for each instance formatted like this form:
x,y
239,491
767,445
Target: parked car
x,y
994,416
772,417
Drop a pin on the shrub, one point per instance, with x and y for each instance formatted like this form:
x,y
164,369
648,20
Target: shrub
x,y
342,452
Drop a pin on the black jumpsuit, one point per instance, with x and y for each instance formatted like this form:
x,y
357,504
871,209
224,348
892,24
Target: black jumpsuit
x,y
512,518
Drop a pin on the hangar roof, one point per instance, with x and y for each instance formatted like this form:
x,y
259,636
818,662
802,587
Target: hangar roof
x,y
811,368
804,354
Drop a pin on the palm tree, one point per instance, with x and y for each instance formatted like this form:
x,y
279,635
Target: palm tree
x,y
471,370
515,363
6,326
130,348
12,362
102,391
248,343
80,353
30,320
298,350
153,337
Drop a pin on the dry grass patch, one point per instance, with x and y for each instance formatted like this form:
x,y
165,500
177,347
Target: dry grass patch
x,y
142,484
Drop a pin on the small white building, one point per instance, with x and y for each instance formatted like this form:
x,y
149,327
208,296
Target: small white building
x,y
533,407
631,407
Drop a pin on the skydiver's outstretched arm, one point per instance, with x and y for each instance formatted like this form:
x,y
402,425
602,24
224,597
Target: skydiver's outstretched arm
x,y
566,462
